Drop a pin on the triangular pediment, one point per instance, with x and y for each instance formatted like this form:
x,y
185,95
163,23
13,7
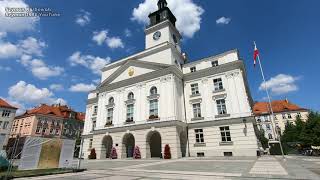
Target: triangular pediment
x,y
131,69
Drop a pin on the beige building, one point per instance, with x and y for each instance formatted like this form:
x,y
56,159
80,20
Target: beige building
x,y
7,114
284,112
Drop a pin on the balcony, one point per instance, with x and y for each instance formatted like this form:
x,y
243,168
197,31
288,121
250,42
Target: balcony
x,y
129,121
153,118
108,123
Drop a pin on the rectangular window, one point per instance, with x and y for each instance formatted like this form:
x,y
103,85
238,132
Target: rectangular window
x,y
110,115
94,122
193,69
217,84
95,110
57,131
227,153
154,107
194,89
199,135
221,105
51,131
214,63
284,116
130,109
5,125
225,134
299,115
6,113
44,130
38,130
90,143
289,116
268,127
200,154
196,110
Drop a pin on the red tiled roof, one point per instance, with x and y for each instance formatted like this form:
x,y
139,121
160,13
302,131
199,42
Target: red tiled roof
x,y
80,116
4,104
277,107
55,110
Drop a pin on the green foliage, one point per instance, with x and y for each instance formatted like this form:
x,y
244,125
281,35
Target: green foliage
x,y
305,133
260,135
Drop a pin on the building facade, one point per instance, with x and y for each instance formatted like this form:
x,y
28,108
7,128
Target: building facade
x,y
155,97
284,112
54,121
7,113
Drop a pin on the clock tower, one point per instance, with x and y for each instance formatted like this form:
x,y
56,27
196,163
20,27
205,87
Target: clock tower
x,y
162,27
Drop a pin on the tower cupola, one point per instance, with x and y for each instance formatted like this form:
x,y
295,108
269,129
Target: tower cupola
x,y
163,13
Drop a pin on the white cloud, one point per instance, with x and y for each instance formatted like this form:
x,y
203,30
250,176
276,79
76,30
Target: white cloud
x,y
83,18
81,87
39,69
223,20
26,49
24,93
8,50
100,37
3,34
114,42
5,68
188,14
95,64
97,81
280,84
19,24
127,32
30,46
56,87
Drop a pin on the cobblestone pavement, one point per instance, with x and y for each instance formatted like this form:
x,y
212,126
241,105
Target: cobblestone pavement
x,y
267,167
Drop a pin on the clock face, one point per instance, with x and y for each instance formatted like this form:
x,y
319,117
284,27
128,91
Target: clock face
x,y
157,35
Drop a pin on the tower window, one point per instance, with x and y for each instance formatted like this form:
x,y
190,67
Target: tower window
x,y
214,63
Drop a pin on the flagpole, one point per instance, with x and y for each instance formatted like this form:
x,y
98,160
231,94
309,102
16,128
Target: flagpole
x,y
270,105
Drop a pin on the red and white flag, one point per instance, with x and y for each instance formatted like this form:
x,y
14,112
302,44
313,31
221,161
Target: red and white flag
x,y
255,54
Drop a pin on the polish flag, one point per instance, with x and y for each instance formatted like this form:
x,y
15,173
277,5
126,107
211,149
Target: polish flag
x,y
255,54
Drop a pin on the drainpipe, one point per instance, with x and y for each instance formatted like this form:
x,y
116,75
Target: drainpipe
x,y
185,117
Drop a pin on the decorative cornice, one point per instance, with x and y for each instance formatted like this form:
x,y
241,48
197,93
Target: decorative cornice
x,y
144,77
212,58
156,124
221,122
92,101
214,70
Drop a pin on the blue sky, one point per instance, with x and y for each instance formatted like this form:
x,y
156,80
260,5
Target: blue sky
x,y
49,59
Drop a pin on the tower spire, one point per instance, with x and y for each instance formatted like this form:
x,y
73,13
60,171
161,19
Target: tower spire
x,y
162,4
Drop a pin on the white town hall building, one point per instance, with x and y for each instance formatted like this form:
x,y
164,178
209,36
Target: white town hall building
x,y
155,97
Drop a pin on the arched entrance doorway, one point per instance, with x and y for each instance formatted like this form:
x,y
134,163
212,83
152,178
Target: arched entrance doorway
x,y
107,146
128,144
154,144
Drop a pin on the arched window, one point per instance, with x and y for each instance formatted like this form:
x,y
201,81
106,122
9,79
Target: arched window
x,y
111,100
153,91
130,96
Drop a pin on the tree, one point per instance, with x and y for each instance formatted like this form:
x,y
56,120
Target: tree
x,y
260,135
167,152
114,154
136,153
93,154
306,134
310,135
